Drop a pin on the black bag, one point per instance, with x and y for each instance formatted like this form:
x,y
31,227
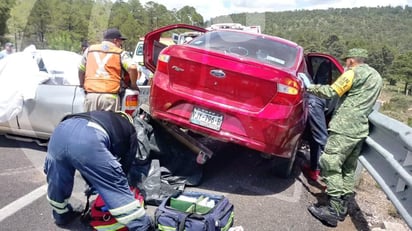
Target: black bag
x,y
194,211
155,188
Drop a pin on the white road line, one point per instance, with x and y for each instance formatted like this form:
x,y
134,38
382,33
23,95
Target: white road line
x,y
20,203
14,171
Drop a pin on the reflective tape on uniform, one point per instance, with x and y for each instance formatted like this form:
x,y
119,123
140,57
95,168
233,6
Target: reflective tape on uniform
x,y
133,216
97,126
115,226
59,207
126,209
165,228
129,212
82,67
101,71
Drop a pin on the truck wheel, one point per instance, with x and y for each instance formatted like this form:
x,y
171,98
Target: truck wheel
x,y
283,166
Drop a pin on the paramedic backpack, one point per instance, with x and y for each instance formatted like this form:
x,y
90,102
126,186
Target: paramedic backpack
x,y
194,211
99,217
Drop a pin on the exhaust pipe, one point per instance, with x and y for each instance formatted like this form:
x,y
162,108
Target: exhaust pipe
x,y
203,153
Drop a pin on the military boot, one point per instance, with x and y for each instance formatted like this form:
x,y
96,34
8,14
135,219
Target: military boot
x,y
345,201
329,214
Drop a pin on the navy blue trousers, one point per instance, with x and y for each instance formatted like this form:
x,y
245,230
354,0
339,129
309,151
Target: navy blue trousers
x,y
78,145
318,131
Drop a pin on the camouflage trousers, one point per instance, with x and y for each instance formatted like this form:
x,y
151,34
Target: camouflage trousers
x,y
338,163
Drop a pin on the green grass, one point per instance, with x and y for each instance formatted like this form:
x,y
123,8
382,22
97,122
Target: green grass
x,y
396,104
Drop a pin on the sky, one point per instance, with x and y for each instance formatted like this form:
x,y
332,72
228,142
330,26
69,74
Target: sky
x,y
212,8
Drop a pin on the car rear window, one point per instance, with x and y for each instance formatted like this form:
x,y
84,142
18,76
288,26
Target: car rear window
x,y
258,47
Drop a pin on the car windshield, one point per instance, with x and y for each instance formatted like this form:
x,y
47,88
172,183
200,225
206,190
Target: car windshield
x,y
258,47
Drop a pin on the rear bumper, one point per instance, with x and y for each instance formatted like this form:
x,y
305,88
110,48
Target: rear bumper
x,y
274,130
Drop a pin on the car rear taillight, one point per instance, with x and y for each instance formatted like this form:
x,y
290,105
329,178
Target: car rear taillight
x,y
162,64
288,92
131,103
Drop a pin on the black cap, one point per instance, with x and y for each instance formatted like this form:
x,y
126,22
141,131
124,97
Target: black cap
x,y
113,33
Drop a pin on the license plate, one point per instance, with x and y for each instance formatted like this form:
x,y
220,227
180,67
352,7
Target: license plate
x,y
206,118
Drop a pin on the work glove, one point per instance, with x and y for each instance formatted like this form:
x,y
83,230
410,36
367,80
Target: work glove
x,y
307,82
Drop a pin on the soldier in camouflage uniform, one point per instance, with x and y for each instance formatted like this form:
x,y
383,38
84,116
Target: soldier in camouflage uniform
x,y
358,88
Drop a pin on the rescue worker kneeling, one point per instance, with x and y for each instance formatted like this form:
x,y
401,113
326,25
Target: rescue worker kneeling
x,y
101,145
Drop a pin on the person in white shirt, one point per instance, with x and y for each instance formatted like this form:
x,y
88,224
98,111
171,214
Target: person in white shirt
x,y
8,49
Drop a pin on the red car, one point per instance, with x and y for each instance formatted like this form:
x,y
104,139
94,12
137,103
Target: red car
x,y
234,86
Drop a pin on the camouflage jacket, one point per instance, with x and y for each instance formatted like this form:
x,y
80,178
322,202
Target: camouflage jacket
x,y
358,89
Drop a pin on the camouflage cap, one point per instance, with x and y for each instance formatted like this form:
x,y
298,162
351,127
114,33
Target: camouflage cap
x,y
356,52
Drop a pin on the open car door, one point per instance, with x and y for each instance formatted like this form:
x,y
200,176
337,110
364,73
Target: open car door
x,y
324,69
318,62
153,46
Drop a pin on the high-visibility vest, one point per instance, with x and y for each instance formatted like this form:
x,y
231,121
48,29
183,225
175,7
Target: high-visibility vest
x,y
103,69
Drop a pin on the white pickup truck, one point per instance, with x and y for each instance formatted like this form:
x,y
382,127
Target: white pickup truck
x,y
138,53
34,100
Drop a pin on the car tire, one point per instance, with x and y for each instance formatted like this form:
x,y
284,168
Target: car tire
x,y
283,166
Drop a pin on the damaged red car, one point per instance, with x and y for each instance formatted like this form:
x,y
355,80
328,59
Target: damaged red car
x,y
232,85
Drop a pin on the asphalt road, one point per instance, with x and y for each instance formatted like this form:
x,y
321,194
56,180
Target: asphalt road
x,y
262,201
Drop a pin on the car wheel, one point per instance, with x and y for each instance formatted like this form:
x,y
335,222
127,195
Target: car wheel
x,y
283,166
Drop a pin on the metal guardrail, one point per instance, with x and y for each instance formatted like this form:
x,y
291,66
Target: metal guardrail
x,y
387,155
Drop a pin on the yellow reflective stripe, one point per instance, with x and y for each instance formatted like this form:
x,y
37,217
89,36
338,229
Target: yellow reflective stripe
x,y
125,209
165,228
133,216
60,211
114,96
58,204
58,207
126,60
344,82
82,67
229,222
111,227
